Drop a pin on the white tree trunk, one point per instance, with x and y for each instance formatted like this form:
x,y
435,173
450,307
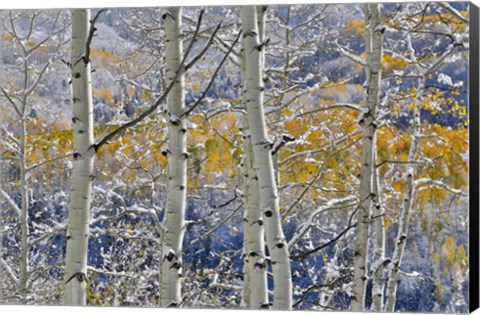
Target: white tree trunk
x,y
374,41
171,265
247,163
401,239
84,155
255,236
378,278
255,258
23,220
263,165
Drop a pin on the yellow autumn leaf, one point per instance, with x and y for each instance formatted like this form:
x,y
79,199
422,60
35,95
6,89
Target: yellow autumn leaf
x,y
449,249
196,86
387,222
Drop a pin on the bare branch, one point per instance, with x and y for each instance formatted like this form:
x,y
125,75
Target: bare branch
x,y
10,201
454,11
91,33
437,183
160,101
199,100
11,101
32,167
6,267
350,55
219,225
398,162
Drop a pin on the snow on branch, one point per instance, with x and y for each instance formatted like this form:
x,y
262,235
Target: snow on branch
x,y
111,273
32,167
230,287
350,55
454,11
11,101
58,229
350,225
431,182
6,267
10,201
182,69
309,222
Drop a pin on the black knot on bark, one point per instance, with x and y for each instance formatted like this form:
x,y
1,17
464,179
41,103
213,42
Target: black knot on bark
x,y
265,306
249,33
77,75
280,245
259,265
176,265
170,256
80,276
269,213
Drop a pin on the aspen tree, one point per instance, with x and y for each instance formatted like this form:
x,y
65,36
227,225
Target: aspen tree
x,y
378,269
83,162
373,47
171,264
263,164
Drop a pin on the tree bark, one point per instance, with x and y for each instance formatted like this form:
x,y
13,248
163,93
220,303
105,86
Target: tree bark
x,y
374,42
23,220
255,258
171,265
84,156
378,278
263,165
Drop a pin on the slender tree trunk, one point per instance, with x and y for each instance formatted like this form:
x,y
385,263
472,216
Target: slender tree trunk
x,y
247,198
171,265
263,165
401,239
23,276
84,156
378,279
374,38
255,257
247,287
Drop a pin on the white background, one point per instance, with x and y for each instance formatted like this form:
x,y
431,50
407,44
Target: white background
x,y
62,310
